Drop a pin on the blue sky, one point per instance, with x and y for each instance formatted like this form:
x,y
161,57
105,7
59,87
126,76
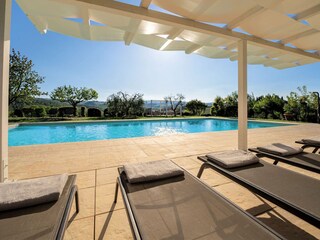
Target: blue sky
x,y
110,67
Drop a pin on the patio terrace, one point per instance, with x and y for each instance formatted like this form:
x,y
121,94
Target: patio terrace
x,y
96,162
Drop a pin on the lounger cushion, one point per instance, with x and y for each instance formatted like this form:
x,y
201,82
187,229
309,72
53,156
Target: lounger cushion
x,y
281,149
26,193
151,171
233,158
313,140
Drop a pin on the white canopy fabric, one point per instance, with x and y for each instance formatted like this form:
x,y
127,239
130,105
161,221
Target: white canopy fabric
x,y
295,23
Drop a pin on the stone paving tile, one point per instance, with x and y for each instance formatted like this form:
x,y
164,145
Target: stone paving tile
x,y
113,226
288,225
86,179
106,176
82,229
86,203
245,199
105,198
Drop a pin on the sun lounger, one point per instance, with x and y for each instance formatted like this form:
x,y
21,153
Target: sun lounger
x,y
41,221
308,161
183,207
297,193
310,143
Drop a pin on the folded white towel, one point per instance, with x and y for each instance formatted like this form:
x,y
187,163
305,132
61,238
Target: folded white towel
x,y
313,140
281,149
232,158
26,193
151,171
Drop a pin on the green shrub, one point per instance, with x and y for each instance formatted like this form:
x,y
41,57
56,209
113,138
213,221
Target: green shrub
x,y
52,112
18,113
28,112
40,112
94,112
66,112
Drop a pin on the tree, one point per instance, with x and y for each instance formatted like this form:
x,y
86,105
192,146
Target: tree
x,y
175,102
301,104
73,95
23,81
231,105
218,107
124,105
269,106
196,106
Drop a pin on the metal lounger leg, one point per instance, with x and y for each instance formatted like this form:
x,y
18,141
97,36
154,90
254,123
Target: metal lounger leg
x,y
203,166
116,192
77,200
315,150
275,162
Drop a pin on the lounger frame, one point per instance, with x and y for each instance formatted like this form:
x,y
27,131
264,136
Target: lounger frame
x,y
278,159
133,222
309,145
260,191
73,196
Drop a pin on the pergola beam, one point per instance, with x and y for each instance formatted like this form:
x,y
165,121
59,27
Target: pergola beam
x,y
145,3
248,14
193,48
179,22
308,12
5,18
300,35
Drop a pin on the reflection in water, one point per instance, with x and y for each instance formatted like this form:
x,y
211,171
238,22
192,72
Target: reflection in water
x,y
162,131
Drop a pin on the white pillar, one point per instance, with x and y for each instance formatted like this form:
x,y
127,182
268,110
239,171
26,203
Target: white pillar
x,y
5,16
242,96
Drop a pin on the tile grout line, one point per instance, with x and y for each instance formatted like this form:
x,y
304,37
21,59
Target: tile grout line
x,y
95,202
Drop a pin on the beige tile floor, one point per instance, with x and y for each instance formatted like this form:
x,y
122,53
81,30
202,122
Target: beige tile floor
x,y
96,162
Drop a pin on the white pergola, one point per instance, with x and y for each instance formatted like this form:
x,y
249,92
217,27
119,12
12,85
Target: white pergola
x,y
274,33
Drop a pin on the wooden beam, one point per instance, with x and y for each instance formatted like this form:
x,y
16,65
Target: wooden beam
x,y
300,35
85,30
187,24
242,96
308,13
145,3
248,14
175,33
5,21
193,48
129,36
166,44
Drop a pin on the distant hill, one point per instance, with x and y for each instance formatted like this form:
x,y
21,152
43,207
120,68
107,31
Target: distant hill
x,y
98,104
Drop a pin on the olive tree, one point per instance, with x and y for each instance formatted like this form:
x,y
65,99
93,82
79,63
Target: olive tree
x,y
175,102
124,105
73,95
196,106
23,81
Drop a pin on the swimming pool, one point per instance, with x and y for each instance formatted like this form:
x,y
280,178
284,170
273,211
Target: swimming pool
x,y
77,132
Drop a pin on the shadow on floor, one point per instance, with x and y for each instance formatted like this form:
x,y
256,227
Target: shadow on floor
x,y
106,224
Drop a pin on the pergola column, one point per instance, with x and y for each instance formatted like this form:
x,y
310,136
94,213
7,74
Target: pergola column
x,y
5,17
242,96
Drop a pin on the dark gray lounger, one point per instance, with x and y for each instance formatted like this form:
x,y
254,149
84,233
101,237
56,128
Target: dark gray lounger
x,y
309,145
295,192
44,221
183,207
308,161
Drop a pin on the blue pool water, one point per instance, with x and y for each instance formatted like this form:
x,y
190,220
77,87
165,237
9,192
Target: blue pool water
x,y
77,132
